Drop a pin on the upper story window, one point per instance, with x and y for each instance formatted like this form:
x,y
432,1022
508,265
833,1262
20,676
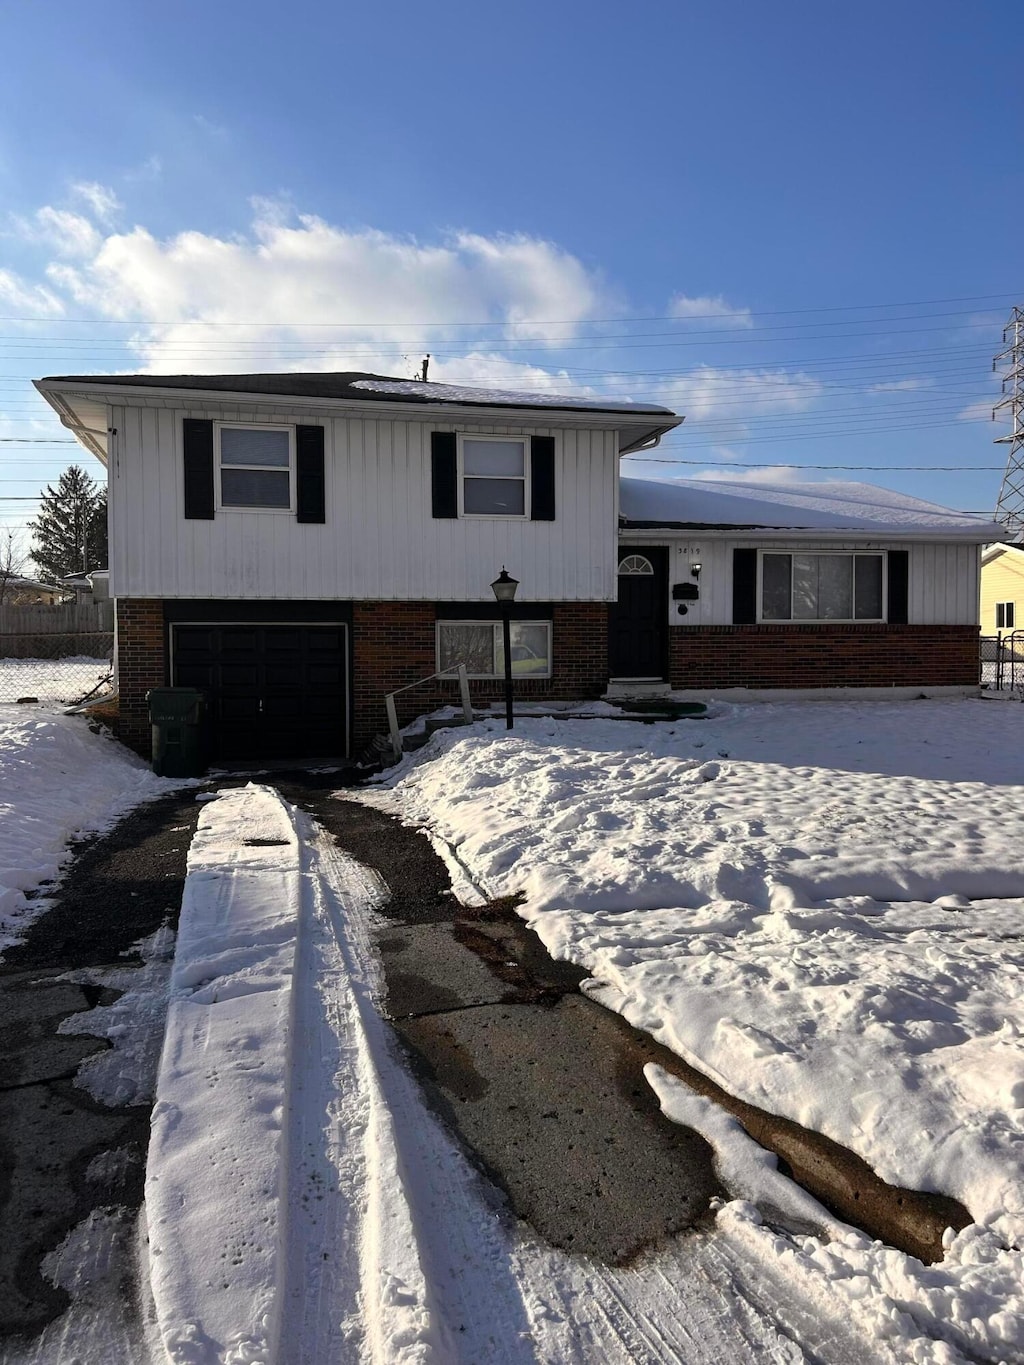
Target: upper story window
x,y
822,587
256,466
494,476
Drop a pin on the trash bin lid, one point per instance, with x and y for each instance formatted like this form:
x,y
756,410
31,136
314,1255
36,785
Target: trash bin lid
x,y
174,703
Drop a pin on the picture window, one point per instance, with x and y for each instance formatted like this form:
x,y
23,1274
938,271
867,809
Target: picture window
x,y
822,587
480,646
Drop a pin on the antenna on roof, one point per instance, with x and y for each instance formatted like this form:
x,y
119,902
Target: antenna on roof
x,y
426,366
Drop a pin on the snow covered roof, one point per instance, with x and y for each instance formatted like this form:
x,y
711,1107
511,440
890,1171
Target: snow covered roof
x,y
722,504
641,424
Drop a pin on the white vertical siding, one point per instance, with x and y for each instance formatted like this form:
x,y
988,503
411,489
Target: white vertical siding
x,y
380,540
944,577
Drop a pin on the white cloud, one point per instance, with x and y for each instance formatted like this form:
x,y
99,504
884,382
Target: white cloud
x,y
707,393
981,411
908,385
770,474
103,202
69,234
31,300
291,275
708,308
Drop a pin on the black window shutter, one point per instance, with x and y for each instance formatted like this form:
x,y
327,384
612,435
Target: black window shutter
x,y
899,587
744,587
197,440
309,474
444,475
542,478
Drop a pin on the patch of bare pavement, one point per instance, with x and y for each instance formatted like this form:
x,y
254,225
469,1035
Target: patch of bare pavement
x,y
63,1154
545,1088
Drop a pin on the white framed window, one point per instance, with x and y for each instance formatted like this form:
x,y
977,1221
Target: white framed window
x,y
821,585
1005,615
480,646
255,467
494,476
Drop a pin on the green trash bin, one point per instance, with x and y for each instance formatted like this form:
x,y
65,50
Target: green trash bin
x,y
178,715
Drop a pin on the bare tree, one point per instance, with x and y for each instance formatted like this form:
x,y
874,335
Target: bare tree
x,y
12,561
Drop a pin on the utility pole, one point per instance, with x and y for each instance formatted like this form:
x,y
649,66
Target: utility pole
x,y
1010,362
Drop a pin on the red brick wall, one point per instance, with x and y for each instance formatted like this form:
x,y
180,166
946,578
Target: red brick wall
x,y
141,664
824,656
393,644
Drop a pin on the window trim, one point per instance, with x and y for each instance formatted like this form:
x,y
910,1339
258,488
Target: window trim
x,y
220,504
822,620
461,476
496,624
1009,617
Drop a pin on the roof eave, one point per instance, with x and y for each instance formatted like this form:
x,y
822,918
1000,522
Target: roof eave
x,y
967,534
652,426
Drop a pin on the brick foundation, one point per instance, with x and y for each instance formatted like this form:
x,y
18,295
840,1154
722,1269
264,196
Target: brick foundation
x,y
141,665
393,644
823,656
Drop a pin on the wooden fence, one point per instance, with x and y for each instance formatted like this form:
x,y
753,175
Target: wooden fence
x,y
72,618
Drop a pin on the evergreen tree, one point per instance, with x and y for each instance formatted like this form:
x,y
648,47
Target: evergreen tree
x,y
70,532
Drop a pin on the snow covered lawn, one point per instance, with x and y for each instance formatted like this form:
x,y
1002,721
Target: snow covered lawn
x,y
58,780
59,680
821,905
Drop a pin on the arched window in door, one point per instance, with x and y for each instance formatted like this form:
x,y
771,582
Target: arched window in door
x,y
635,566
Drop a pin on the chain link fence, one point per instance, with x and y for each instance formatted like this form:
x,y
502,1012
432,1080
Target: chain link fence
x,y
56,668
1002,662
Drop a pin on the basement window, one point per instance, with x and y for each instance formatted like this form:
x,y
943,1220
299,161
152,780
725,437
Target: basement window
x,y
821,586
480,646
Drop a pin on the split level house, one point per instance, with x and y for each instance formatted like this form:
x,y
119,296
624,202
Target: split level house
x,y
300,545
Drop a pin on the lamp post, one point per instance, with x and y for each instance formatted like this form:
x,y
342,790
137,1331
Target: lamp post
x,y
504,589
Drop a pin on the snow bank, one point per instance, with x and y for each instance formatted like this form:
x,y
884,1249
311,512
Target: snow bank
x,y
58,780
213,1176
817,905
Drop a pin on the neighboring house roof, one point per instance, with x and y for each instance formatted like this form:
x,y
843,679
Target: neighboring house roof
x,y
32,584
828,508
645,422
1014,552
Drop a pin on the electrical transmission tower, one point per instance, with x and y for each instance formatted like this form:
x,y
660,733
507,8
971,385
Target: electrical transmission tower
x,y
1010,361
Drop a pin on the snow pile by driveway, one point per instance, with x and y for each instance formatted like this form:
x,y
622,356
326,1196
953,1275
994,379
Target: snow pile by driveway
x,y
820,906
58,780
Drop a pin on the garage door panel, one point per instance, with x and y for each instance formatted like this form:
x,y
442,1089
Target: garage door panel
x,y
275,691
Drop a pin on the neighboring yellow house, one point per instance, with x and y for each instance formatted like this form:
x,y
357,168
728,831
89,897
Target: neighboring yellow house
x,y
1002,589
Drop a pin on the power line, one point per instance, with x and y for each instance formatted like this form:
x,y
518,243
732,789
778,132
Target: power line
x,y
536,322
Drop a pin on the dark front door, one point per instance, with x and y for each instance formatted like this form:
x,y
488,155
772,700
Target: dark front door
x,y
638,622
274,691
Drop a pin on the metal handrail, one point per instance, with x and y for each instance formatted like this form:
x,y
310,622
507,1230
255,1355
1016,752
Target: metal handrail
x,y
389,702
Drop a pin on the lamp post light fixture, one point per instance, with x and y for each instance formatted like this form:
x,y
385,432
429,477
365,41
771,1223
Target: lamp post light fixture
x,y
504,589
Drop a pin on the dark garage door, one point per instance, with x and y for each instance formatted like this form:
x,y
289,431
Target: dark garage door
x,y
275,691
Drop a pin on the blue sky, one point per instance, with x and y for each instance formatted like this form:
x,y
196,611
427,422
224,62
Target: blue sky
x,y
796,223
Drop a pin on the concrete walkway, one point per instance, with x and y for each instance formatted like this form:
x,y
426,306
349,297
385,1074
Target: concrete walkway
x,y
546,1087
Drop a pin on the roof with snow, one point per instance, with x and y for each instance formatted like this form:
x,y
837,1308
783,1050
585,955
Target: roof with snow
x,y
645,423
722,504
368,387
